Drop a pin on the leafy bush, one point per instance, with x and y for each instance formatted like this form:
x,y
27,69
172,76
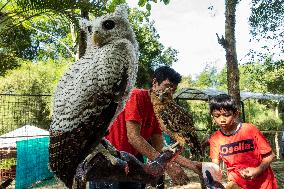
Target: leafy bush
x,y
262,116
32,79
7,163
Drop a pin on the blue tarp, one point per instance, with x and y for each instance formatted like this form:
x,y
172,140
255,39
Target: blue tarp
x,y
32,162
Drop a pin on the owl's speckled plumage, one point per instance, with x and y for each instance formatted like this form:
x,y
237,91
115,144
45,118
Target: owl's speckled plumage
x,y
92,92
175,120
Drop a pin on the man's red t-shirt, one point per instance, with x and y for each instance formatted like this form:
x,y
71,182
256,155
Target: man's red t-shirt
x,y
241,150
140,109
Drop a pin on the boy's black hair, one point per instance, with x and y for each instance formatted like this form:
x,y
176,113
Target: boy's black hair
x,y
223,101
165,72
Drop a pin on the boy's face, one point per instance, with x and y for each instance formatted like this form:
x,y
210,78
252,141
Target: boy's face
x,y
225,119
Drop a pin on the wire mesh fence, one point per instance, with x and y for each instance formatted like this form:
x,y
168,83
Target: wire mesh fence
x,y
18,110
24,123
23,118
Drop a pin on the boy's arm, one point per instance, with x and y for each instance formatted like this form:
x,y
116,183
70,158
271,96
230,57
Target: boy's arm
x,y
216,161
252,172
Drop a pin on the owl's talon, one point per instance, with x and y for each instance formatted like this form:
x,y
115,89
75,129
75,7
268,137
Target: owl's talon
x,y
174,147
79,180
158,166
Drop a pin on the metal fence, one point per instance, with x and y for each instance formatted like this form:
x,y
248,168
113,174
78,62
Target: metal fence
x,y
17,111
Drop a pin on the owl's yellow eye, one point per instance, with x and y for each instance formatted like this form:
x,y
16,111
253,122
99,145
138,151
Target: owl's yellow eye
x,y
108,24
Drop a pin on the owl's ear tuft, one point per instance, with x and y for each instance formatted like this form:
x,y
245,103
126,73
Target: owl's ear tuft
x,y
84,23
122,10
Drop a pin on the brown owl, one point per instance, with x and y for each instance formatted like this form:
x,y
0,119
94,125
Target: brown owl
x,y
175,120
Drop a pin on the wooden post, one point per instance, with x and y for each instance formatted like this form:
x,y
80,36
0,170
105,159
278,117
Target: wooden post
x,y
277,148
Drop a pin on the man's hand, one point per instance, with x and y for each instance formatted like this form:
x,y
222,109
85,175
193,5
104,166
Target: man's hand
x,y
177,174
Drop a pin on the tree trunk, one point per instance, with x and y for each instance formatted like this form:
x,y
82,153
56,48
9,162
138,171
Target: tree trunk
x,y
229,44
83,35
73,35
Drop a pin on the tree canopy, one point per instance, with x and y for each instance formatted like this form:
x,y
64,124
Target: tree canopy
x,y
49,30
267,25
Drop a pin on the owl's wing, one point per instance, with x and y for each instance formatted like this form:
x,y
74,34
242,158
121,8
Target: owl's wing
x,y
180,124
124,70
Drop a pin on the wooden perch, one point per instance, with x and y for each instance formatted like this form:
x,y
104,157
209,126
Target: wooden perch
x,y
6,183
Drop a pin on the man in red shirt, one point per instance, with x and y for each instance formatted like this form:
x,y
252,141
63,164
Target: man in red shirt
x,y
137,131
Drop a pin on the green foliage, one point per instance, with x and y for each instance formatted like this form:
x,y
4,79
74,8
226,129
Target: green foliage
x,y
52,34
15,42
7,62
262,115
274,76
207,78
266,15
251,77
30,78
18,42
147,3
254,77
7,163
33,78
200,112
186,81
142,3
267,25
263,77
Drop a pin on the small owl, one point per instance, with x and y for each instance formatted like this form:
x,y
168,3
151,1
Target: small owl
x,y
175,120
92,92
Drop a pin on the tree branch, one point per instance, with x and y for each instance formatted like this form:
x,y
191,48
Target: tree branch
x,y
67,48
222,41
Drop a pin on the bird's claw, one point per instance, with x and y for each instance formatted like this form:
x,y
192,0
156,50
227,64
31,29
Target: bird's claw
x,y
79,180
158,166
174,148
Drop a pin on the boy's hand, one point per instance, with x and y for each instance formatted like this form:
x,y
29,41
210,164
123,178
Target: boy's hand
x,y
250,172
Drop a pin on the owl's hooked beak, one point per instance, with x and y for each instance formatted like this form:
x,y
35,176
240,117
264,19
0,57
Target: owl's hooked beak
x,y
97,39
161,97
166,93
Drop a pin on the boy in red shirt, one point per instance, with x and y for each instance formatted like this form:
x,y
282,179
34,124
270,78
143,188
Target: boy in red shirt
x,y
241,146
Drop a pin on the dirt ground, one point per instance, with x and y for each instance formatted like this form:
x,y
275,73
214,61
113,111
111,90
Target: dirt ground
x,y
278,168
55,184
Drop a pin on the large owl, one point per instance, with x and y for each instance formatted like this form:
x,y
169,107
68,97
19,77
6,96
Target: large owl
x,y
175,120
89,97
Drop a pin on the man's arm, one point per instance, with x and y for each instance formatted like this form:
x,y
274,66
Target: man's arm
x,y
157,142
142,146
216,161
192,165
138,142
